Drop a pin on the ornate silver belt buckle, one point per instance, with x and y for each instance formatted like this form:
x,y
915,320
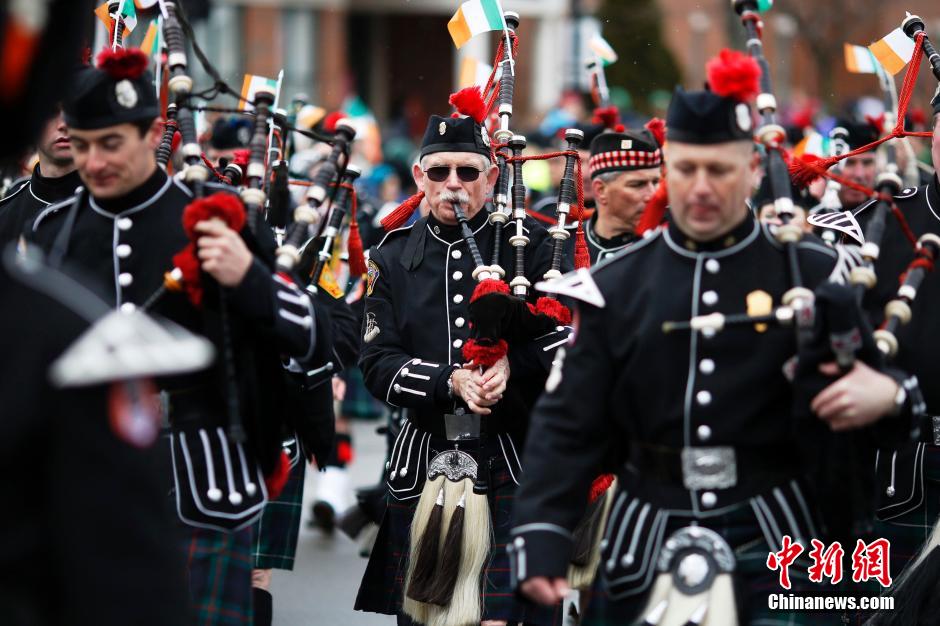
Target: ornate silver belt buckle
x,y
455,465
709,468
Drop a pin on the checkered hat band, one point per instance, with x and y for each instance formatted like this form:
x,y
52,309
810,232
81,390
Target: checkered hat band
x,y
625,159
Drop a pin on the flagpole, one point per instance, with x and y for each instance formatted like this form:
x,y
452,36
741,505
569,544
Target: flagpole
x,y
277,101
117,23
602,89
158,73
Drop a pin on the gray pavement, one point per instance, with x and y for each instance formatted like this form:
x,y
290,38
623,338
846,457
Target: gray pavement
x,y
322,588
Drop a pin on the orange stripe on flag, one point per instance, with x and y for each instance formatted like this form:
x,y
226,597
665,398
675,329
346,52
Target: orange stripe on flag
x,y
146,45
458,28
887,57
103,15
246,87
850,63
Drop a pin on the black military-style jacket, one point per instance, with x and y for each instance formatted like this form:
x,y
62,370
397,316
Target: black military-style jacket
x,y
27,199
417,321
900,471
625,388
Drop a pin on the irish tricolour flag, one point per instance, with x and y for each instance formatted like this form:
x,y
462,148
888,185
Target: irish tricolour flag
x,y
860,60
251,85
894,51
475,17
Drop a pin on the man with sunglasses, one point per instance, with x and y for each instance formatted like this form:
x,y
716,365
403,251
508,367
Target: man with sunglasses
x,y
417,320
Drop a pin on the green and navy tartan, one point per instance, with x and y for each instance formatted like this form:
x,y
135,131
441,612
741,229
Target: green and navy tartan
x,y
754,582
277,531
219,565
382,586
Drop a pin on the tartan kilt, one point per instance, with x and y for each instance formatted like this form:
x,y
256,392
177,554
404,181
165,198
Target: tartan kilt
x,y
277,530
219,566
383,583
754,581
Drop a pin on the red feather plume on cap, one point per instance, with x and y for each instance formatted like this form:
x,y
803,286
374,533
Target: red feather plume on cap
x,y
735,75
469,101
657,127
123,63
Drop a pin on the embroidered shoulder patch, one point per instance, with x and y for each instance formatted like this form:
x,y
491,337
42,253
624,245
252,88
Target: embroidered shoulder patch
x,y
372,275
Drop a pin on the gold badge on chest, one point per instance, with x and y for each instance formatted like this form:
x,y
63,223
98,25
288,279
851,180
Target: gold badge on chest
x,y
759,302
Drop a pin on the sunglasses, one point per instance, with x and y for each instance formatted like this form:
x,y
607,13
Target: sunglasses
x,y
440,173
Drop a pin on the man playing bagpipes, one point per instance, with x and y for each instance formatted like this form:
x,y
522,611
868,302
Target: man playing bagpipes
x,y
712,473
198,263
438,558
907,476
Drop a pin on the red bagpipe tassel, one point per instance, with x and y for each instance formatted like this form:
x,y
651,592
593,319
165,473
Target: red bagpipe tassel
x,y
400,215
807,168
582,258
357,258
276,480
655,210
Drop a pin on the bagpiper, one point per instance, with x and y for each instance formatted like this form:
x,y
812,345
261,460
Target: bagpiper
x,y
455,464
125,228
701,420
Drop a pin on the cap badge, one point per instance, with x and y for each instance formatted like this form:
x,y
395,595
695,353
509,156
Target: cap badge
x,y
125,94
442,128
485,136
742,114
626,144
